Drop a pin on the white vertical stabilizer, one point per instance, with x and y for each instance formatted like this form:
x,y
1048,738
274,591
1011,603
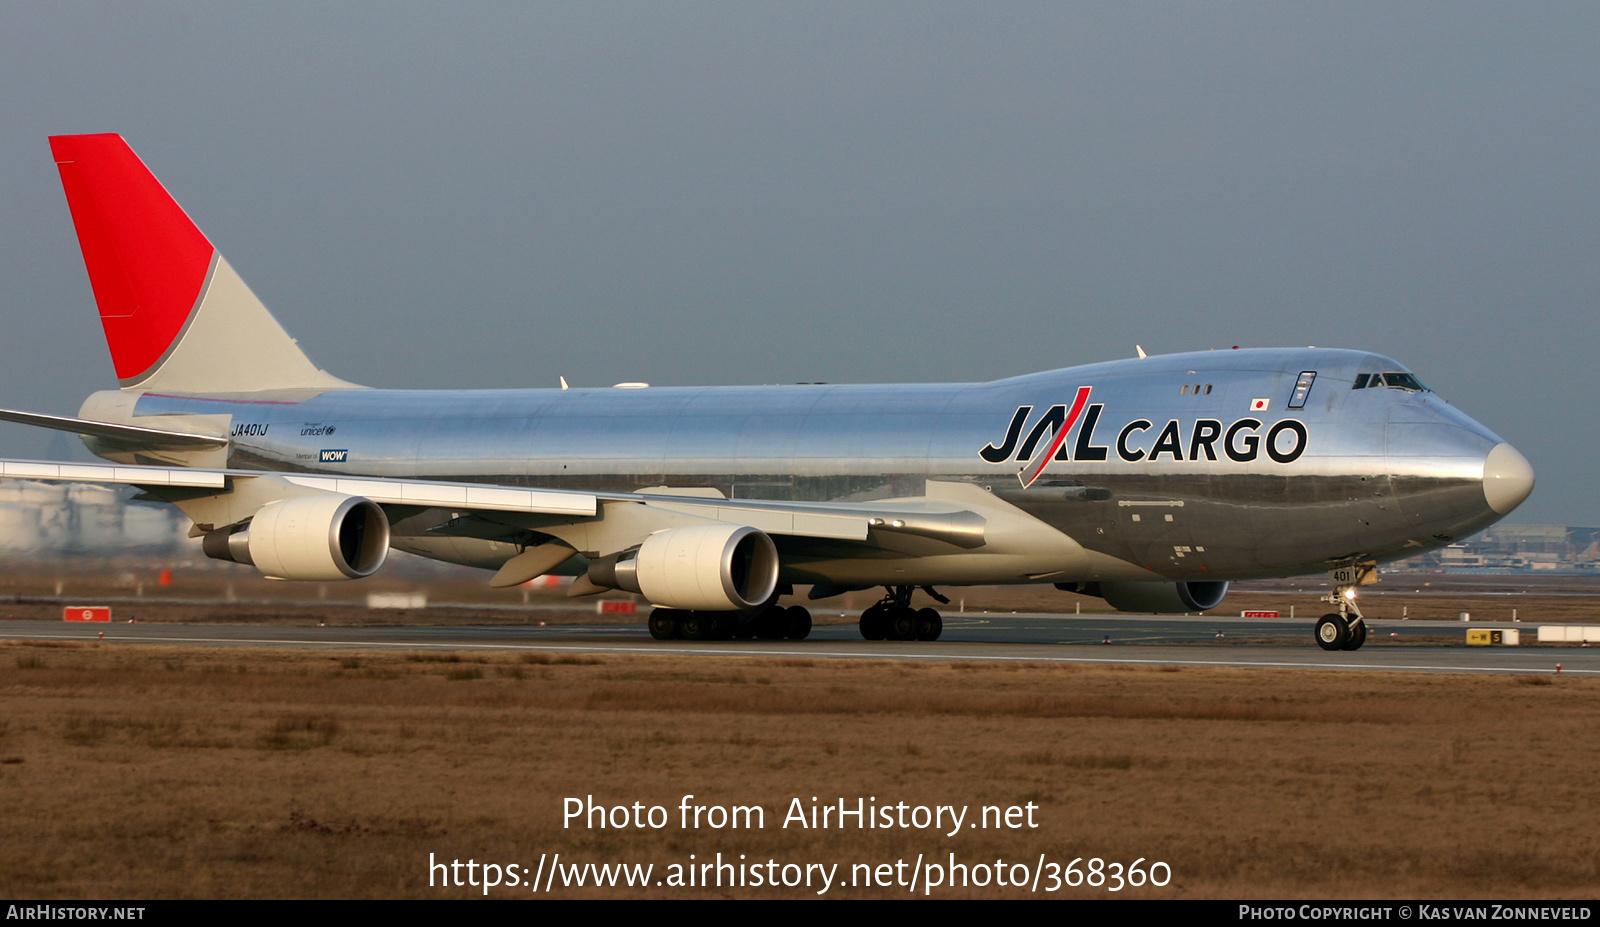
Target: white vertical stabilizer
x,y
233,344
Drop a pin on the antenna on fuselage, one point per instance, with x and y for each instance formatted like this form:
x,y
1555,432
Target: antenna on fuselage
x,y
563,382
1142,355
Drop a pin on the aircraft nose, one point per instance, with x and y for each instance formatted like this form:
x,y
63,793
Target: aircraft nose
x,y
1507,478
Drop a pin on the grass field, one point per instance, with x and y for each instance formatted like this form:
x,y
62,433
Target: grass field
x,y
148,772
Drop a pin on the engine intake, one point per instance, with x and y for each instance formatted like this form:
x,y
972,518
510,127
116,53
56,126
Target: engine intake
x,y
321,537
698,568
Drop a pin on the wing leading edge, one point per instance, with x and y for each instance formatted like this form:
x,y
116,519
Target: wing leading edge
x,y
928,518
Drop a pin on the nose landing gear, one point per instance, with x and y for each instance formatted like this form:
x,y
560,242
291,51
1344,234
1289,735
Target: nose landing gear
x,y
1339,630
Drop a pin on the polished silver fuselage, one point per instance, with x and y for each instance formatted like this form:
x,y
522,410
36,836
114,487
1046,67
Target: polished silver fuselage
x,y
1197,493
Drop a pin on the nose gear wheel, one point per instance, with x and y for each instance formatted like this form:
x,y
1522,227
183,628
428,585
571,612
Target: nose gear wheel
x,y
1341,631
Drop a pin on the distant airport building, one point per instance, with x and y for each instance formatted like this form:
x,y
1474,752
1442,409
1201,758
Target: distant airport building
x,y
53,520
1515,548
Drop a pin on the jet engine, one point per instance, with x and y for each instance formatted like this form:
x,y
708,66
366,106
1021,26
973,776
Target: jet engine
x,y
1154,598
320,537
697,568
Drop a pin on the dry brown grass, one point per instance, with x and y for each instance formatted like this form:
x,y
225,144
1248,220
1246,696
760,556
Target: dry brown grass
x,y
154,772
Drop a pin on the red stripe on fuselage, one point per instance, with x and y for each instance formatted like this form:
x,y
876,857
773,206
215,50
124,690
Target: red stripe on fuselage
x,y
1061,435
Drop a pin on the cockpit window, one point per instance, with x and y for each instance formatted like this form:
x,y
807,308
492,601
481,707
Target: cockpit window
x,y
1361,381
1302,389
1400,381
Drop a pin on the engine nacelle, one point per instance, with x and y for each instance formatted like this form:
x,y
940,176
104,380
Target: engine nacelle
x,y
321,537
698,568
1158,598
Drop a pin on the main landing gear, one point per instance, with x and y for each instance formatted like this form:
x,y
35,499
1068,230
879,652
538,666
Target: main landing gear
x,y
891,618
1339,630
894,619
772,623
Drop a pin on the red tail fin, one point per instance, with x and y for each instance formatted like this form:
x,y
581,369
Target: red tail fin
x,y
177,317
147,261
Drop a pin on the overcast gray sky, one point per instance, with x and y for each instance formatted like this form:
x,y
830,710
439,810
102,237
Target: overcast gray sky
x,y
476,195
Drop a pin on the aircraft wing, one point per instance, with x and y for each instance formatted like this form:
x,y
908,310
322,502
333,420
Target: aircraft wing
x,y
152,477
542,509
317,527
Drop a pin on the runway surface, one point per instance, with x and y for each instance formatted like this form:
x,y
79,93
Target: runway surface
x,y
1031,638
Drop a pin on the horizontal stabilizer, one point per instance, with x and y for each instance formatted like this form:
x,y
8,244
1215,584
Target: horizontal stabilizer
x,y
152,438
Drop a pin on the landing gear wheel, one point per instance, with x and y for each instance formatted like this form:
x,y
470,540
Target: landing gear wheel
x,y
697,626
1333,633
902,624
772,624
874,623
799,623
663,624
1346,630
929,624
